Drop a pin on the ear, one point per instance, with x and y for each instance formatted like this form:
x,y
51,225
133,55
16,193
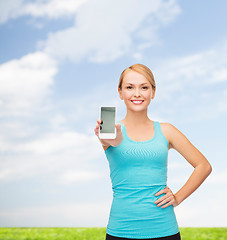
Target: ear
x,y
120,93
153,93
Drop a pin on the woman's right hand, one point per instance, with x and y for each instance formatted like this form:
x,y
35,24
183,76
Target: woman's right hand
x,y
107,142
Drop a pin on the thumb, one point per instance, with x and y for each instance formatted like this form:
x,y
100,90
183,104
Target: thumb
x,y
118,126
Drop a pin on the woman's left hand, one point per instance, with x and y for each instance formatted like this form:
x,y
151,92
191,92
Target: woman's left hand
x,y
168,198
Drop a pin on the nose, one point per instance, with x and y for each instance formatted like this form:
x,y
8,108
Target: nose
x,y
137,92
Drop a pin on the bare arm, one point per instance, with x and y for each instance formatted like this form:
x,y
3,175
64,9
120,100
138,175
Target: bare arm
x,y
202,170
109,142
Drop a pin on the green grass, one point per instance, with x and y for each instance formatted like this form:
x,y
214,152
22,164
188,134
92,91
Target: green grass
x,y
98,233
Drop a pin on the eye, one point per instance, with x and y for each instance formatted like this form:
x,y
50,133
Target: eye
x,y
130,87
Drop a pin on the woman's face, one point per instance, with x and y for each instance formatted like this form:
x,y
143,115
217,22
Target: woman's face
x,y
136,87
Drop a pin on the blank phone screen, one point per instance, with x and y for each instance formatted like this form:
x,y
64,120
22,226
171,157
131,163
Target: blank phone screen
x,y
108,118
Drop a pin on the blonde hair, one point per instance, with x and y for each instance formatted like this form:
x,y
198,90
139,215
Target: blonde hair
x,y
142,69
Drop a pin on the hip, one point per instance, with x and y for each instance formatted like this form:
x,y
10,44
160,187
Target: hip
x,y
139,216
176,236
139,204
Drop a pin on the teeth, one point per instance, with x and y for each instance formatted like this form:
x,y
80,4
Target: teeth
x,y
137,101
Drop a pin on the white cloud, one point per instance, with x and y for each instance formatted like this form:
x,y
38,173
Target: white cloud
x,y
205,68
9,9
25,83
104,30
218,177
64,154
29,148
186,81
51,143
58,121
70,176
211,214
40,8
75,215
58,215
53,8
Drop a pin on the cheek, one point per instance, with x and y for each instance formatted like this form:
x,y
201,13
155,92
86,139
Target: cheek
x,y
147,94
126,94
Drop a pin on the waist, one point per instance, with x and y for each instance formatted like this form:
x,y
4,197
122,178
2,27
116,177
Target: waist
x,y
141,191
137,177
136,215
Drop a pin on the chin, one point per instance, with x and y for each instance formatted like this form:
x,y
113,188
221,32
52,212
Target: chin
x,y
137,108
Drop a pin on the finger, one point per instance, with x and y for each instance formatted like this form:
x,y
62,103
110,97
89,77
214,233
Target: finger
x,y
166,199
161,203
118,126
96,129
160,199
160,192
167,195
168,204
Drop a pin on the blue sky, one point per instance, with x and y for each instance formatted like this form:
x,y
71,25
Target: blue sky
x,y
61,60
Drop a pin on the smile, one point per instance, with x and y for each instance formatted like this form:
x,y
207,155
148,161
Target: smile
x,y
137,102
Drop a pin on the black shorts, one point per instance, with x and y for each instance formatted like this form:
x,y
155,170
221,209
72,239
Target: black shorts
x,y
176,236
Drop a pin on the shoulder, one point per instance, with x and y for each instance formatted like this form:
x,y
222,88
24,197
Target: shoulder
x,y
181,143
169,132
167,126
174,136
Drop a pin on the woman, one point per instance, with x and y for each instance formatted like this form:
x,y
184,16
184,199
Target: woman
x,y
143,204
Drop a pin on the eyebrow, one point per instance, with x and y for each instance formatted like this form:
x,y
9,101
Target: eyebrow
x,y
133,84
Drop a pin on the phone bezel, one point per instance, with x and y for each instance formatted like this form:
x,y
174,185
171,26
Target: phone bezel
x,y
108,135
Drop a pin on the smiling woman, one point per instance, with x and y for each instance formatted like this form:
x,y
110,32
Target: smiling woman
x,y
143,204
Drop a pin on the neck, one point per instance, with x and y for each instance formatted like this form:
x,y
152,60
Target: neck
x,y
134,118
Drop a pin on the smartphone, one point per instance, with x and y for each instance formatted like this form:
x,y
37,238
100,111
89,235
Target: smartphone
x,y
107,129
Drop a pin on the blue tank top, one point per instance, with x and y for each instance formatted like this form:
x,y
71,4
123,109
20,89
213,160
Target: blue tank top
x,y
138,170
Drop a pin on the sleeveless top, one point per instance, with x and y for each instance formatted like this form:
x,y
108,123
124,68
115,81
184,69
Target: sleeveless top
x,y
138,170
